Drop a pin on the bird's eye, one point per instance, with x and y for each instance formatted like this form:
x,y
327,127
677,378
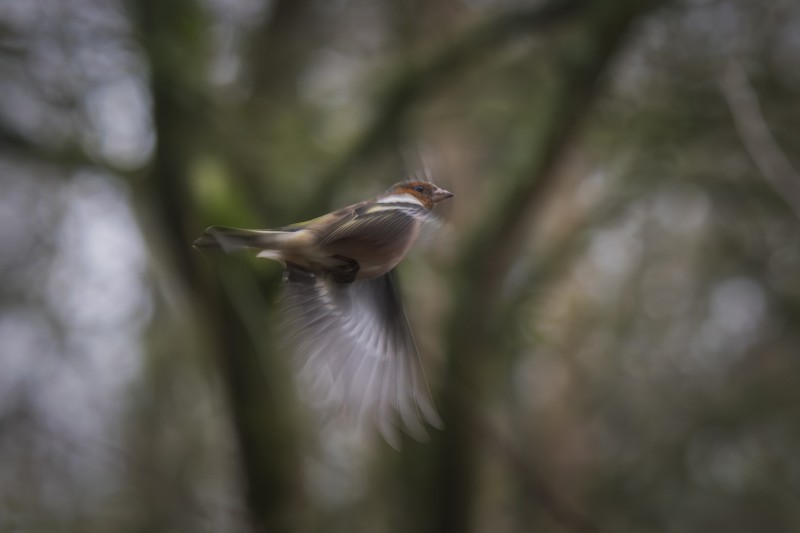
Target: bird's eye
x,y
419,188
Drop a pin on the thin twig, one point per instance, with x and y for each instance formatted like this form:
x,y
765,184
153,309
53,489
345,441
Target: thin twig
x,y
534,483
759,142
526,472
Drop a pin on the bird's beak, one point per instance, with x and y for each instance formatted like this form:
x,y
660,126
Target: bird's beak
x,y
441,194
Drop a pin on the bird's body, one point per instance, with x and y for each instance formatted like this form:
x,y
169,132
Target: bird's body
x,y
375,234
342,304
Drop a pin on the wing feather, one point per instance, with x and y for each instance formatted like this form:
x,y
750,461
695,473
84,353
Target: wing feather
x,y
355,351
379,224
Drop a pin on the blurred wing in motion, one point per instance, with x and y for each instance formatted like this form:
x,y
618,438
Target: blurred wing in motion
x,y
356,352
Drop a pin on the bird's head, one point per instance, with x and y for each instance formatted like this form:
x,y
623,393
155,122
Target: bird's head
x,y
426,192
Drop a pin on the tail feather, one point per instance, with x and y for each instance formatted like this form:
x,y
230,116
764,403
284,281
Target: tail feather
x,y
234,239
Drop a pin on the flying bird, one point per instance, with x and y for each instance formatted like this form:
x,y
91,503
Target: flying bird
x,y
343,309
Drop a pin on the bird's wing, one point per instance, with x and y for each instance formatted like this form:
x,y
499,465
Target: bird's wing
x,y
355,351
378,224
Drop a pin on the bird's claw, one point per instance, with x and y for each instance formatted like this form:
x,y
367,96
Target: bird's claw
x,y
346,273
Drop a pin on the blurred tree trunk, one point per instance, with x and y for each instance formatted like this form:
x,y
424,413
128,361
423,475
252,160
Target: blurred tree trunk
x,y
277,55
579,62
174,35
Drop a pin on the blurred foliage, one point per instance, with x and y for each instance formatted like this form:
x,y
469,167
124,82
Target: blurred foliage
x,y
609,314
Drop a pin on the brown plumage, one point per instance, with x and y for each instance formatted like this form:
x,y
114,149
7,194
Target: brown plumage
x,y
343,310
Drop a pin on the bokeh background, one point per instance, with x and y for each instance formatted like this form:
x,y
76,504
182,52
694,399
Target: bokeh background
x,y
608,313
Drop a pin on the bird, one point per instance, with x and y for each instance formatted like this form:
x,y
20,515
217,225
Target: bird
x,y
342,307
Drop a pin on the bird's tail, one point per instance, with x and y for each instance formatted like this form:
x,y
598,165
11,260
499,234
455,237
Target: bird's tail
x,y
233,239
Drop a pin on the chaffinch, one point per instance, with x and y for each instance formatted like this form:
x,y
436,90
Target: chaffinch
x,y
343,308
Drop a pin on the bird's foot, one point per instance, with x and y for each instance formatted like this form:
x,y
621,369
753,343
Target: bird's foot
x,y
345,273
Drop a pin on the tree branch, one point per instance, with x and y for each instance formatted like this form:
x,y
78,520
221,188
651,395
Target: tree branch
x,y
419,79
581,61
759,142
